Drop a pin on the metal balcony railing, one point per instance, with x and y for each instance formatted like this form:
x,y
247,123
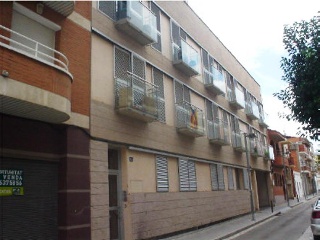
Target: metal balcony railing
x,y
186,58
218,132
214,81
136,97
238,141
256,148
138,21
33,49
189,119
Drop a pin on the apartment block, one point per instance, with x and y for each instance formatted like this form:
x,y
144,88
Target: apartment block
x,y
170,111
124,120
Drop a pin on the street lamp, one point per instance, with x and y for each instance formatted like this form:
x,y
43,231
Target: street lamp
x,y
249,135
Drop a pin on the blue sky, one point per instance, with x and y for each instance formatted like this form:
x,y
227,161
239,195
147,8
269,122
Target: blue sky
x,y
252,30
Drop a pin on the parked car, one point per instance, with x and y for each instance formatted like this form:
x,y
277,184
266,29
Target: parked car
x,y
315,220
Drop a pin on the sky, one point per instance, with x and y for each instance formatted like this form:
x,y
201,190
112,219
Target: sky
x,y
253,31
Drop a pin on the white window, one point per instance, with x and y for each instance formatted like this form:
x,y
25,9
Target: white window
x,y
187,175
162,174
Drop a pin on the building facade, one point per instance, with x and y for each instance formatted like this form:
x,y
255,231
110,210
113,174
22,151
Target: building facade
x,y
44,120
123,120
169,108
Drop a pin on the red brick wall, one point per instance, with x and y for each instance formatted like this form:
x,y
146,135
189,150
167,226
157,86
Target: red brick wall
x,y
73,41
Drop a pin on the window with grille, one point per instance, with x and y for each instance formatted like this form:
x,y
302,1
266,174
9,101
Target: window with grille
x,y
158,80
182,92
187,175
156,10
162,174
246,179
217,178
108,8
230,178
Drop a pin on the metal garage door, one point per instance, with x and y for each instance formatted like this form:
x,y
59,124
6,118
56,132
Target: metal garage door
x,y
34,214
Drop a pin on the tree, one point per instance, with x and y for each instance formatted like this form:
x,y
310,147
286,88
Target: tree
x,y
301,70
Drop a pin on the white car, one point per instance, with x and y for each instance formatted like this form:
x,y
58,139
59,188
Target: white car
x,y
315,220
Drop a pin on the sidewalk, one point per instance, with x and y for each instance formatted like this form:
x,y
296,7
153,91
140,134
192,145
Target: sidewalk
x,y
231,227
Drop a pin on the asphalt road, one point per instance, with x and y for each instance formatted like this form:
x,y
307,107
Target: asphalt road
x,y
291,225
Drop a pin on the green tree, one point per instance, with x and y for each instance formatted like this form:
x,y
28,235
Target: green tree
x,y
301,69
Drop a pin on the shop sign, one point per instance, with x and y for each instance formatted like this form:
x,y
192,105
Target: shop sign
x,y
11,182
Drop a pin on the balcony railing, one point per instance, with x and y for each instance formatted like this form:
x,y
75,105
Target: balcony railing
x,y
256,148
268,153
136,98
33,49
238,141
263,119
189,120
218,132
186,59
214,81
236,98
138,21
252,110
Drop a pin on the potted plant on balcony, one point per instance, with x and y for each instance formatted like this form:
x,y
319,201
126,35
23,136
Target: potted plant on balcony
x,y
266,154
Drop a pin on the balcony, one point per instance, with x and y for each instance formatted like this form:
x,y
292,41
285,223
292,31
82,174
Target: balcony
x,y
136,20
214,81
38,85
256,149
186,59
218,132
136,98
268,153
189,120
65,8
238,142
236,98
263,119
252,110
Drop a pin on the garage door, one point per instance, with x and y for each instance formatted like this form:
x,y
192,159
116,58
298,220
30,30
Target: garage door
x,y
32,215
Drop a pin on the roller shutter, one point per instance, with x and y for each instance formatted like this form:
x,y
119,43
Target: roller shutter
x,y
34,214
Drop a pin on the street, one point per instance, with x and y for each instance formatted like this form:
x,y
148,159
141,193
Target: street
x,y
293,225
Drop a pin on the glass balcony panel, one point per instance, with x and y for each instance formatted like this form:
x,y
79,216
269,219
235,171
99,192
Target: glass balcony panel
x,y
136,98
214,81
236,98
138,21
186,59
256,148
189,120
263,119
252,110
238,141
218,132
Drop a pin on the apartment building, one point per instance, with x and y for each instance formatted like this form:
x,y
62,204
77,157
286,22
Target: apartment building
x,y
170,111
44,119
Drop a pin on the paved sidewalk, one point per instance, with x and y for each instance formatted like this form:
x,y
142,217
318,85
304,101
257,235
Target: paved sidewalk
x,y
231,227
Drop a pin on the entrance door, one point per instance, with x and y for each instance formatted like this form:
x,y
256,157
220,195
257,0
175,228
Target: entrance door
x,y
114,194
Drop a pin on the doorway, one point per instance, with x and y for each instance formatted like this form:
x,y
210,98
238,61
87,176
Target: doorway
x,y
114,194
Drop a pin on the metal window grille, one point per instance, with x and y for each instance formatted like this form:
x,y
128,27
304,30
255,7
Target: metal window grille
x,y
122,62
178,90
245,179
214,177
220,177
108,8
205,61
175,33
187,175
209,110
162,174
158,80
157,12
230,178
